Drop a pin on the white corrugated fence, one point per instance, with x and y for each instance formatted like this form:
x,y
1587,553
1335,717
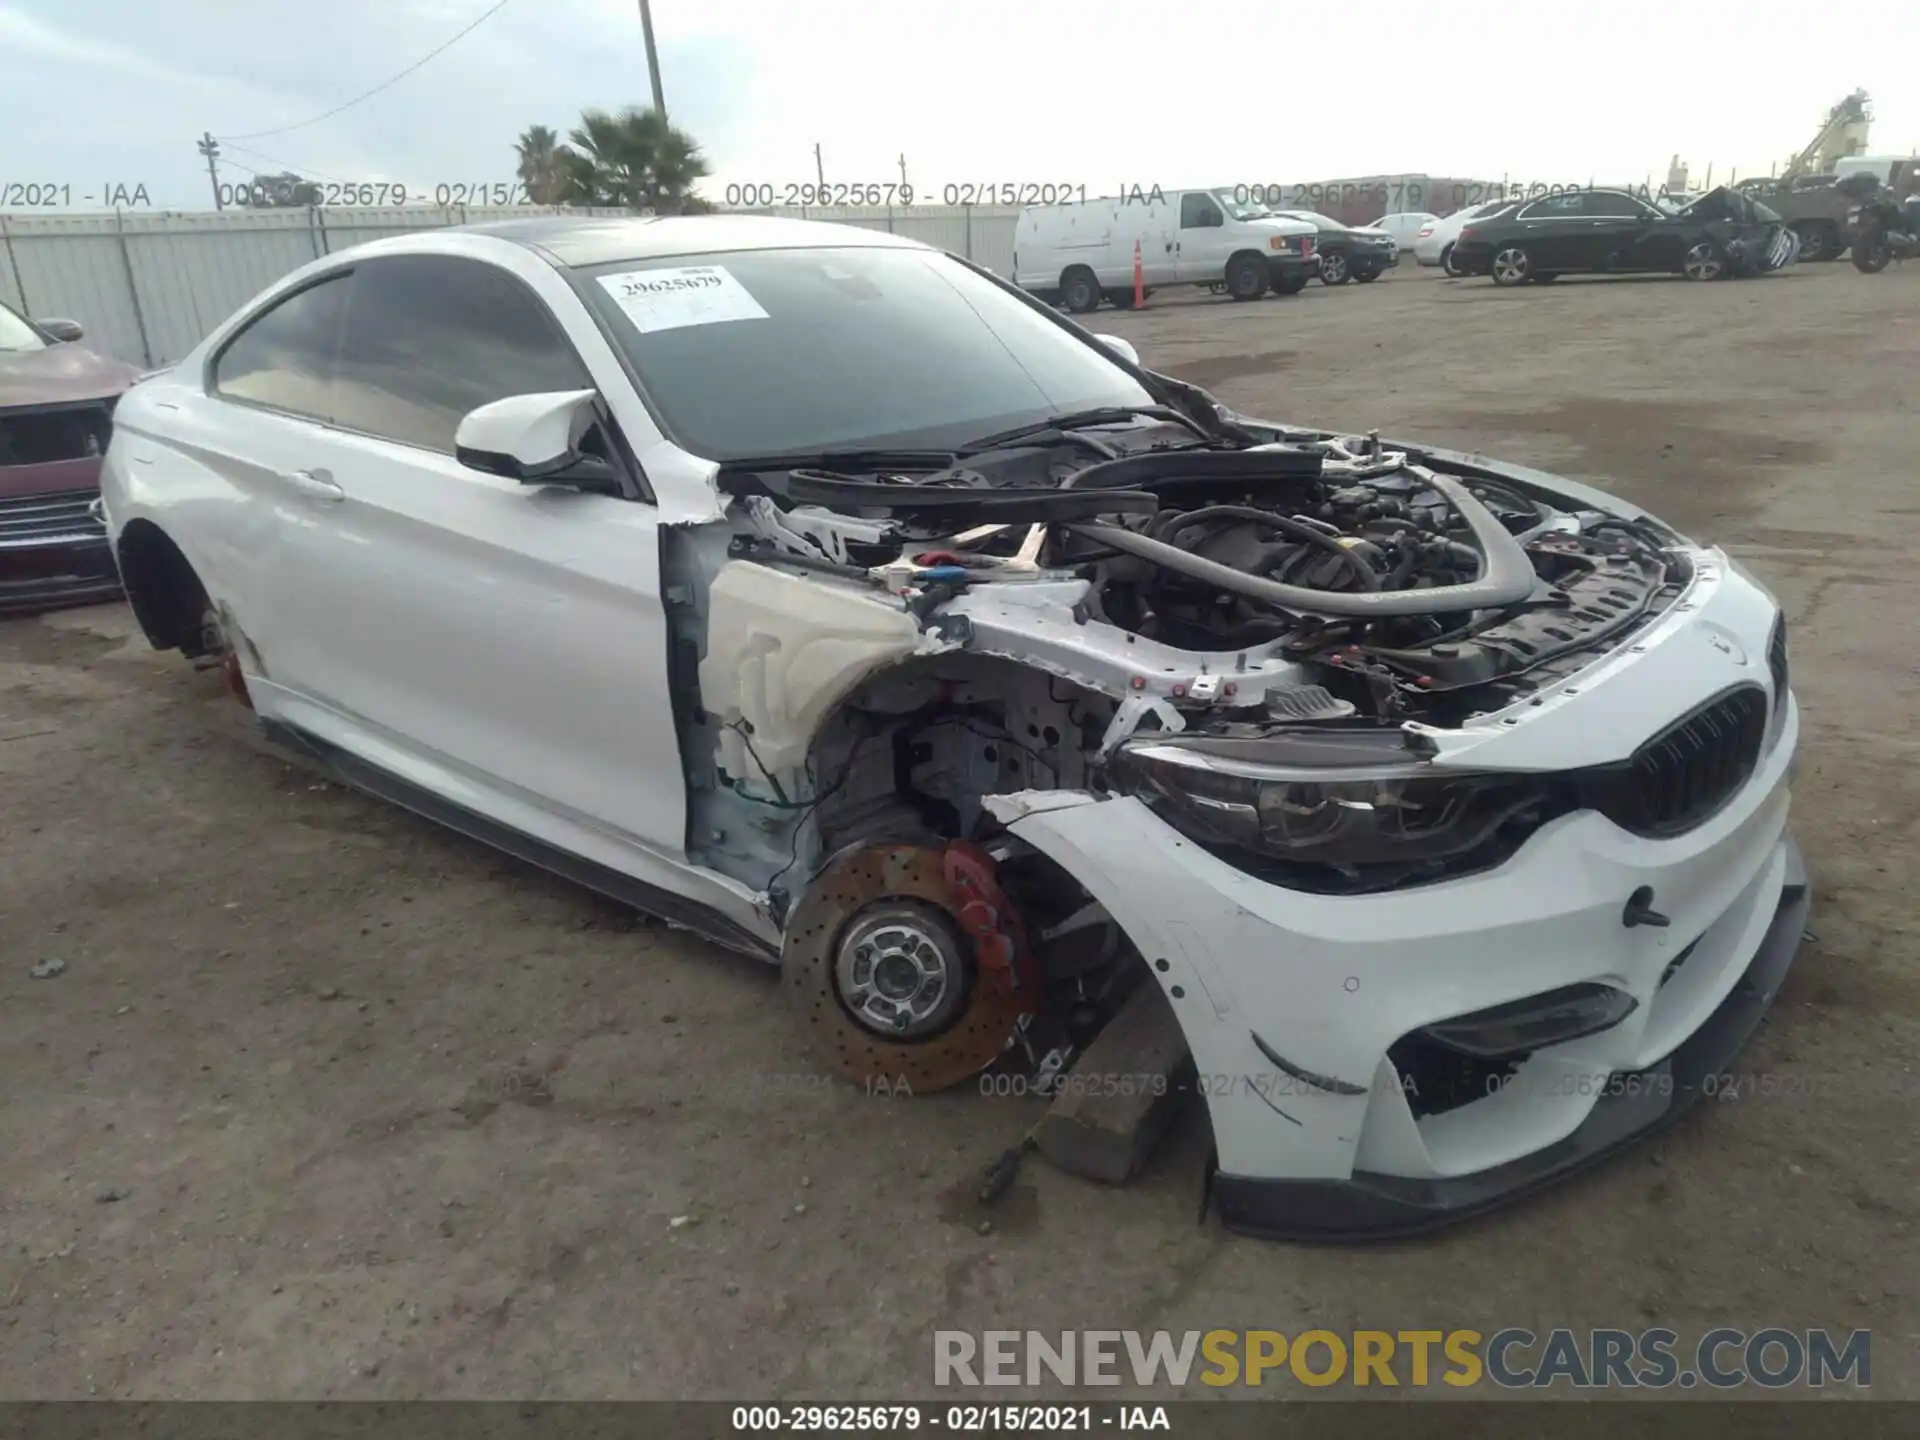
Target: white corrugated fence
x,y
147,287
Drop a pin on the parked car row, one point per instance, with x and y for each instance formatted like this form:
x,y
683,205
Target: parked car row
x,y
1079,255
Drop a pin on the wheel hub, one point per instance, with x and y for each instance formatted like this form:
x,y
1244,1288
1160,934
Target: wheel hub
x,y
908,965
901,970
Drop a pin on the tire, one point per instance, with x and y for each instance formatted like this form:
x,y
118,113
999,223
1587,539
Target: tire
x,y
1545,277
1367,277
1247,277
1080,291
1703,262
1511,265
1446,261
1335,268
1121,299
1289,284
1817,241
1871,252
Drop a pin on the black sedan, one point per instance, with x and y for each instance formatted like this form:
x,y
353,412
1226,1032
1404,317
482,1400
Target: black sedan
x,y
1348,252
1612,232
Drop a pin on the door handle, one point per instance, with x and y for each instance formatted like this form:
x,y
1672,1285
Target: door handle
x,y
317,483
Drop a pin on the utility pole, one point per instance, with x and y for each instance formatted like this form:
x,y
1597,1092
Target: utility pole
x,y
819,167
210,148
653,60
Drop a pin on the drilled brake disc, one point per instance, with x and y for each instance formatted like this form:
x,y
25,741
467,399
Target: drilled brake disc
x,y
971,926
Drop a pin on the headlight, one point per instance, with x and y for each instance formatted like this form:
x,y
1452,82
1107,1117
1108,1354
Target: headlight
x,y
1346,817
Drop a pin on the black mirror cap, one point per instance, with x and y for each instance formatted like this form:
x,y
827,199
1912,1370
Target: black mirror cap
x,y
574,469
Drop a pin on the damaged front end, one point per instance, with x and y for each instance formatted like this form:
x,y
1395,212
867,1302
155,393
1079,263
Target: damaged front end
x,y
1429,793
1268,641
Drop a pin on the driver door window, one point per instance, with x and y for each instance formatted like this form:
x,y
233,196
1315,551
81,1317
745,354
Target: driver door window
x,y
1199,212
430,337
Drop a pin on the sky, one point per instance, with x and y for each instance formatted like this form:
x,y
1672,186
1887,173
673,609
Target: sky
x,y
102,93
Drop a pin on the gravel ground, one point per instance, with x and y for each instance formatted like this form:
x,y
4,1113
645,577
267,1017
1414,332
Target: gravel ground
x,y
327,1102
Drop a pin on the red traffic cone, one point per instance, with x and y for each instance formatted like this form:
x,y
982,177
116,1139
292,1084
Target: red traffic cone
x,y
1139,279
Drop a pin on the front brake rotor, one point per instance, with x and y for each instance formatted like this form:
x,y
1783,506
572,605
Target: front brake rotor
x,y
906,963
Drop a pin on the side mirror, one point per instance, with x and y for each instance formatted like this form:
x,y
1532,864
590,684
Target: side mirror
x,y
65,331
535,439
1122,348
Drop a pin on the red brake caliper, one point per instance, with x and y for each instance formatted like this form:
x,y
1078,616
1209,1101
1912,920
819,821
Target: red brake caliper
x,y
985,913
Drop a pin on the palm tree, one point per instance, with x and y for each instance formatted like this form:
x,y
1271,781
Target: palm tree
x,y
637,159
543,169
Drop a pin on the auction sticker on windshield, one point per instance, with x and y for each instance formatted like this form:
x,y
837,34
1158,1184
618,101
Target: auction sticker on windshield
x,y
691,295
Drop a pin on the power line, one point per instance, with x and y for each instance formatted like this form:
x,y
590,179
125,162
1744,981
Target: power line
x,y
491,11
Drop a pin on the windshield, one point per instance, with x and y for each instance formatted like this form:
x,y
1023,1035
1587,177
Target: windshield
x,y
17,334
764,352
1250,210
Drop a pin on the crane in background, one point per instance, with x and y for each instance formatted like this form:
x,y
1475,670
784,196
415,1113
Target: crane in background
x,y
1843,133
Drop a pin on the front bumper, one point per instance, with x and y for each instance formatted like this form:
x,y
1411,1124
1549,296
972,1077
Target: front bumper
x,y
1311,1017
1634,1106
54,550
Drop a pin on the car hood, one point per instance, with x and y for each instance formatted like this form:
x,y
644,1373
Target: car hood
x,y
58,374
1282,226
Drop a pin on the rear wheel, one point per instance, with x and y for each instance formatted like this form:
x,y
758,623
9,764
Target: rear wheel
x,y
1120,299
1816,241
1080,290
1446,261
1246,277
1703,262
1289,284
1511,266
1545,277
1871,252
1366,277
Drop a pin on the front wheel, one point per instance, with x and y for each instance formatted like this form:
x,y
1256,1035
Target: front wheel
x,y
1871,252
1289,284
1247,277
1366,277
1703,262
1545,277
1334,269
1815,242
1511,266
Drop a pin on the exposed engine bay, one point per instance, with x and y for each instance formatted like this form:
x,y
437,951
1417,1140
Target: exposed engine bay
x,y
1403,590
889,651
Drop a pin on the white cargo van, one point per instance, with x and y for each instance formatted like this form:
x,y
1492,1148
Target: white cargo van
x,y
1078,254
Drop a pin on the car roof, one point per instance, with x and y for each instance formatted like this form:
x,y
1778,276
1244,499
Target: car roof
x,y
574,240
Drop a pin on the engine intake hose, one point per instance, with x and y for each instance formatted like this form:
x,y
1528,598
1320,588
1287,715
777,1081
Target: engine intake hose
x,y
1507,578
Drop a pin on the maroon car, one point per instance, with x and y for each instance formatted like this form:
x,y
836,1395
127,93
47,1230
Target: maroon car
x,y
56,413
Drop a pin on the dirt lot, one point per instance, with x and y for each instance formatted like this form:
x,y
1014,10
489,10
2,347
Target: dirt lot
x,y
327,1102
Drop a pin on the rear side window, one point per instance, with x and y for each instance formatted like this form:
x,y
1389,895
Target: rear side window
x,y
1605,204
284,358
1554,207
430,337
